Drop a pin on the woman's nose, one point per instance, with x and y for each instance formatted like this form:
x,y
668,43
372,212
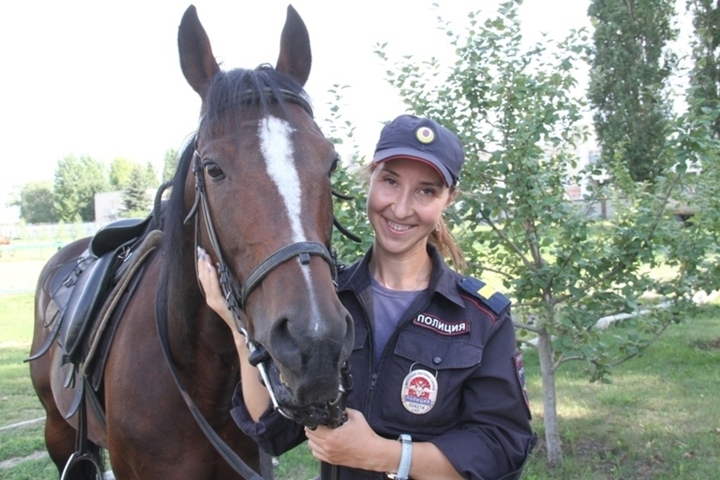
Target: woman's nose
x,y
402,206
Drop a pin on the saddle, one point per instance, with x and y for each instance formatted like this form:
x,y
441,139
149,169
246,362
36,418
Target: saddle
x,y
110,249
80,287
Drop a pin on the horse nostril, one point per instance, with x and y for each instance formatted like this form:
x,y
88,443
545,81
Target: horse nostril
x,y
283,345
309,353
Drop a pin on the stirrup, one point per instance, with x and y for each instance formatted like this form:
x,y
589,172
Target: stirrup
x,y
78,457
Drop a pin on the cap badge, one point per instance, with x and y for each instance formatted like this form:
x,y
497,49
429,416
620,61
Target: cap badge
x,y
419,391
425,135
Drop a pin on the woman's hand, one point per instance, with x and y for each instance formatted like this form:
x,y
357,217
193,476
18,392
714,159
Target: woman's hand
x,y
255,394
356,445
207,274
353,444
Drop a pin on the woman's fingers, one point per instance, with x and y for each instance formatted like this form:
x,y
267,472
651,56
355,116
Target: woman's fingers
x,y
207,274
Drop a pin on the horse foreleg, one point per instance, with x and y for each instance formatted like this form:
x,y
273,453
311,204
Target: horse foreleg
x,y
59,437
60,440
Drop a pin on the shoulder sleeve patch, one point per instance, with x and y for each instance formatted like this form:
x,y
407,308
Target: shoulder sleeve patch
x,y
486,294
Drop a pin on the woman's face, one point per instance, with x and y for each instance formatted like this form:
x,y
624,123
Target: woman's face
x,y
405,201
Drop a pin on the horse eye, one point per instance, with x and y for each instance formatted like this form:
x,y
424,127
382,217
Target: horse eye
x,y
214,171
334,165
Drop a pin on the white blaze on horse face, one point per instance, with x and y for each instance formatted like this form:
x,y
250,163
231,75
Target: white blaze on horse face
x,y
276,146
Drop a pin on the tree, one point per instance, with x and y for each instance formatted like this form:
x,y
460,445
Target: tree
x,y
36,203
136,199
120,173
348,182
705,76
518,110
77,180
630,68
170,164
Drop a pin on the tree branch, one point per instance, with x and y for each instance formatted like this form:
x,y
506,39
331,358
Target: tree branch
x,y
623,360
507,240
527,326
562,360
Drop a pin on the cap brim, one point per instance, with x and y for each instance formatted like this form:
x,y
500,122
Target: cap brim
x,y
412,154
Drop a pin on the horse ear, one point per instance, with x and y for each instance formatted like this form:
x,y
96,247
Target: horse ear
x,y
196,57
295,57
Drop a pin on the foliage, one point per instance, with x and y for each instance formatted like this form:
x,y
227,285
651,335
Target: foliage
x,y
348,181
630,66
77,180
121,171
705,76
37,203
654,421
170,164
517,111
136,200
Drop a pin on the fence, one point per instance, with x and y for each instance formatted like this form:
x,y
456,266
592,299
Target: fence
x,y
49,232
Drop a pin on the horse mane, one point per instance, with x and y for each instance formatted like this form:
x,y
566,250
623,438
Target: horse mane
x,y
230,94
232,90
174,213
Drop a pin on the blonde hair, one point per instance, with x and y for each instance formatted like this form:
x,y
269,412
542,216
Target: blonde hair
x,y
442,238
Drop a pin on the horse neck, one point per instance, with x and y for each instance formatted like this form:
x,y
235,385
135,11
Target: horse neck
x,y
195,331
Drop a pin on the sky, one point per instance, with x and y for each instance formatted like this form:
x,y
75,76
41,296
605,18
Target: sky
x,y
84,77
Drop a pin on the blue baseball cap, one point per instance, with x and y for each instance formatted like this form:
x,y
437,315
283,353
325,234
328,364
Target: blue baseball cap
x,y
425,140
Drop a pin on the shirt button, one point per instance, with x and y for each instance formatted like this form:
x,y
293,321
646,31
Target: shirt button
x,y
437,360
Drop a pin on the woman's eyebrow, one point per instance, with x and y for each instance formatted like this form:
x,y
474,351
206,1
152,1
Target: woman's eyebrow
x,y
433,183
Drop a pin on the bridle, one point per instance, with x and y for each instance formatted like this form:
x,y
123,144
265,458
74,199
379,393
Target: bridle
x,y
332,414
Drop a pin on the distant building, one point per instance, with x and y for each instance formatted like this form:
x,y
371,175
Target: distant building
x,y
108,206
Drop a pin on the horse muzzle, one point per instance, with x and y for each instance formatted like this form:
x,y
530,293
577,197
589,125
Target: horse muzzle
x,y
330,413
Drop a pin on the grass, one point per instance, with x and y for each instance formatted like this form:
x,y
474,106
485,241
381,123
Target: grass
x,y
658,419
17,397
21,263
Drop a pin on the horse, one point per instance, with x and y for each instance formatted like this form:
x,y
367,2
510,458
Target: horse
x,y
253,188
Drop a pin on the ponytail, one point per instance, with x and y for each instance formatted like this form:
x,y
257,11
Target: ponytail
x,y
443,239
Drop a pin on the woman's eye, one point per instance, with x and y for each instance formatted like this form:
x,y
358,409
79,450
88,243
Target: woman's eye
x,y
214,171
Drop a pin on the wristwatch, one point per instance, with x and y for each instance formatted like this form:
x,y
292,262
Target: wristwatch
x,y
405,458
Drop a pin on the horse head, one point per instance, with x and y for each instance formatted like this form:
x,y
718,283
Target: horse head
x,y
258,187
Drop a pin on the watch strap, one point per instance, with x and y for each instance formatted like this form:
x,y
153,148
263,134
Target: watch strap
x,y
405,457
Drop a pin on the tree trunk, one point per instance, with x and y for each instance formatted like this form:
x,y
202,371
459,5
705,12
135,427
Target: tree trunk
x,y
552,435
